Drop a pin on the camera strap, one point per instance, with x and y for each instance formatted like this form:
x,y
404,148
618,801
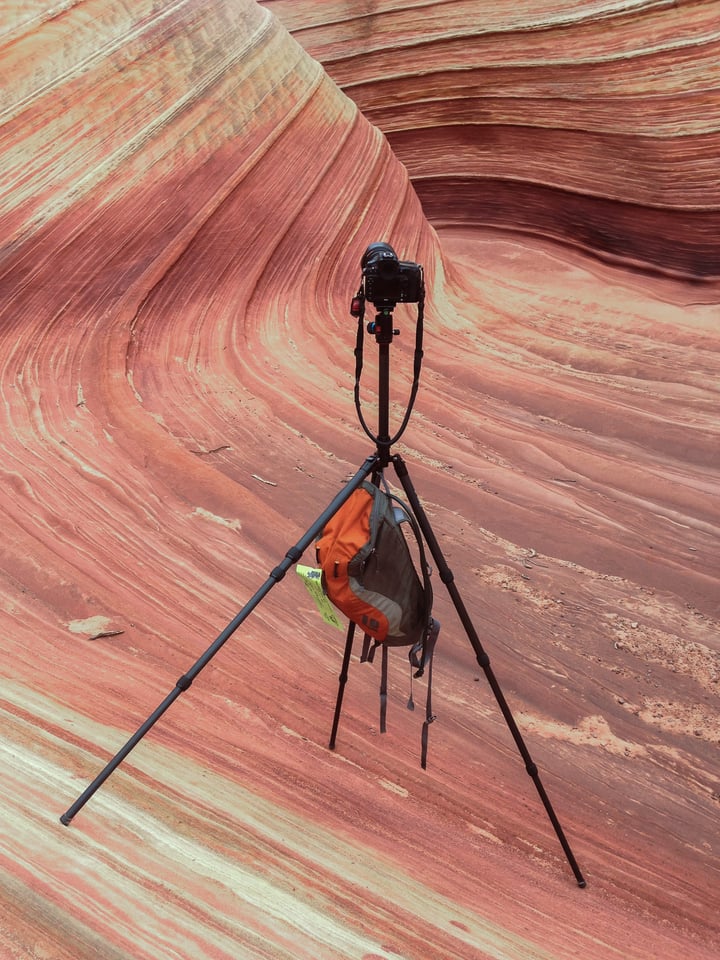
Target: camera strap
x,y
358,310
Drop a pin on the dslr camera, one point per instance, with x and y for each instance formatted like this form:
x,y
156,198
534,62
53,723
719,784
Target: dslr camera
x,y
387,280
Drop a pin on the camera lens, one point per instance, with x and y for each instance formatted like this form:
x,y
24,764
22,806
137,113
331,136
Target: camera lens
x,y
383,254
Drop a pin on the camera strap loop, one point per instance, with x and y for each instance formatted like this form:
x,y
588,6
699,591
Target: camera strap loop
x,y
358,310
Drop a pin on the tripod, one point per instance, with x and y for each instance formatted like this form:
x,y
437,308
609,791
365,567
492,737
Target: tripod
x,y
374,465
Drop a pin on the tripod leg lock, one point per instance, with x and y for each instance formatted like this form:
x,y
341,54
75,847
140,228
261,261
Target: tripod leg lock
x,y
292,556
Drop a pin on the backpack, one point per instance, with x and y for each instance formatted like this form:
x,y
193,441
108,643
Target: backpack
x,y
368,573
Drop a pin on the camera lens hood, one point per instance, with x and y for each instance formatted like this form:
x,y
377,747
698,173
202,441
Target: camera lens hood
x,y
378,252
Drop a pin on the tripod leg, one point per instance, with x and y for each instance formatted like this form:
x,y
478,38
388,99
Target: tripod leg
x,y
482,658
276,575
343,680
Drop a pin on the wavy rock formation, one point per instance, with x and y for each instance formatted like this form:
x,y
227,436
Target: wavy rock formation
x,y
596,124
185,195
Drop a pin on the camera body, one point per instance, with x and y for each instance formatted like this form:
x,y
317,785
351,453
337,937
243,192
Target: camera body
x,y
387,280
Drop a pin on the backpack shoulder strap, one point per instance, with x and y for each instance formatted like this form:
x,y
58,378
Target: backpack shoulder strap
x,y
383,689
428,651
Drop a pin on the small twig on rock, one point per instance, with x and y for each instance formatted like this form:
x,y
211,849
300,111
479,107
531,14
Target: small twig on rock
x,y
270,483
206,453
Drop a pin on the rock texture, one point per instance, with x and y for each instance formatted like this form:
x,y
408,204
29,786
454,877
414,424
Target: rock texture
x,y
185,196
593,123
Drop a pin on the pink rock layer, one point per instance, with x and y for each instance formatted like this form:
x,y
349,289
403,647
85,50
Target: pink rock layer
x,y
594,124
185,196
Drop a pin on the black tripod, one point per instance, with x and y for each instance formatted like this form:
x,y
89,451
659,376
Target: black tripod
x,y
382,329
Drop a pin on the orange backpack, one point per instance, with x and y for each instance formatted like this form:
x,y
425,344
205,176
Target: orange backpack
x,y
368,573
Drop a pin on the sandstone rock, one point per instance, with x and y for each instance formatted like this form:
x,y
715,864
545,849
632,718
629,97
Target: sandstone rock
x,y
186,195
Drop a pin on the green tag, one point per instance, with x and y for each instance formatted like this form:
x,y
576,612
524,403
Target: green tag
x,y
311,578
